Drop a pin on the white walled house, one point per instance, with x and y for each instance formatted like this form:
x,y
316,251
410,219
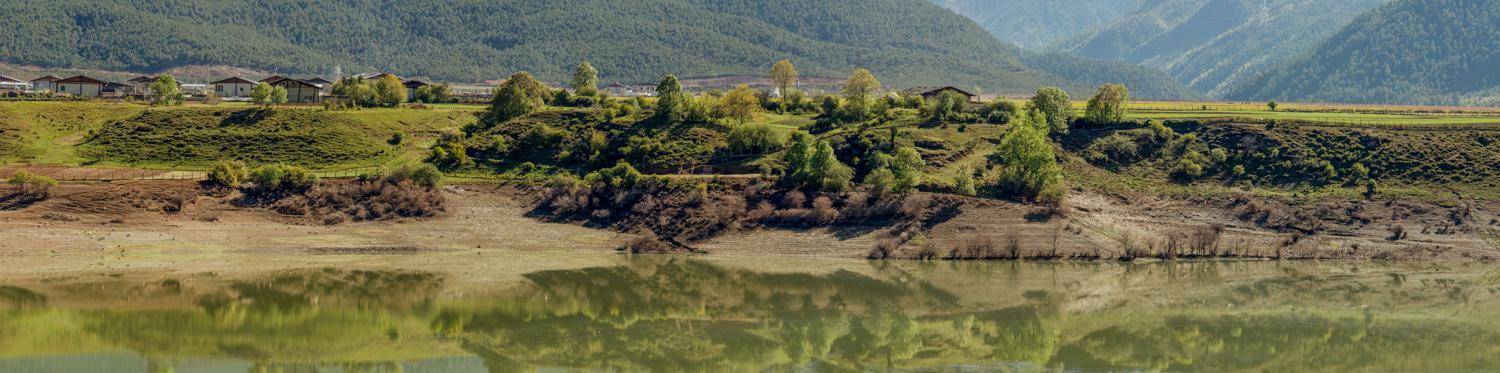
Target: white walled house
x,y
233,87
81,86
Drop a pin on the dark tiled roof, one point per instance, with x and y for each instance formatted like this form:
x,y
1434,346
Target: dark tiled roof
x,y
81,79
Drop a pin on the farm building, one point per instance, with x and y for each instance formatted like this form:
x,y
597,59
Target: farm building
x,y
932,93
9,84
233,87
141,85
299,92
46,83
411,87
323,84
81,86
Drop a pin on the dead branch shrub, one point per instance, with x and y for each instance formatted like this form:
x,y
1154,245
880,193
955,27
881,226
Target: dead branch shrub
x,y
915,205
1398,232
647,242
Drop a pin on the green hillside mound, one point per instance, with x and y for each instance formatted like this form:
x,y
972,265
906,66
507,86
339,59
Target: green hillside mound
x,y
1291,156
45,132
204,136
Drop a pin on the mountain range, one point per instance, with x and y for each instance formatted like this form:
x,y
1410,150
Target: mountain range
x,y
1441,52
904,42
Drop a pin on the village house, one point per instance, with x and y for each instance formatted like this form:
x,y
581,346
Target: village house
x,y
299,92
271,79
81,86
46,83
140,85
932,93
233,87
9,84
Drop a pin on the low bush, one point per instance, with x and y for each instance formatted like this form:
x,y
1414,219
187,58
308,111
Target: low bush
x,y
228,174
280,179
757,138
31,185
424,175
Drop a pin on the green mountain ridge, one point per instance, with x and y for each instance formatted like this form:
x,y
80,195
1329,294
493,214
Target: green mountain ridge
x,y
1210,45
1038,24
1410,51
904,42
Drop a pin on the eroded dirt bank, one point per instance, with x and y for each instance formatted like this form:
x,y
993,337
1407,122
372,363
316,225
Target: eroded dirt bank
x,y
84,225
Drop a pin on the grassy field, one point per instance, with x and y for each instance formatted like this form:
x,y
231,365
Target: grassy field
x,y
1316,113
194,136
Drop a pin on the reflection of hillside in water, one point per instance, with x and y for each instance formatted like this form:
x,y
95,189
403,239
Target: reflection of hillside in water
x,y
672,314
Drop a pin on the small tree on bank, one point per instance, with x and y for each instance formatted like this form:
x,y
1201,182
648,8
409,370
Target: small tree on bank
x,y
1108,105
1057,107
857,92
1029,168
519,95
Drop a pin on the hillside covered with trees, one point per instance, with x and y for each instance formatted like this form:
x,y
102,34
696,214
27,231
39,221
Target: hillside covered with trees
x,y
1410,51
907,42
1209,45
1038,24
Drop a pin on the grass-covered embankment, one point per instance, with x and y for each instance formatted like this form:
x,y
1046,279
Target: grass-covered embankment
x,y
197,136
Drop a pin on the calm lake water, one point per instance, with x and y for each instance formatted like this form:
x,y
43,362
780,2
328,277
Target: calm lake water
x,y
713,315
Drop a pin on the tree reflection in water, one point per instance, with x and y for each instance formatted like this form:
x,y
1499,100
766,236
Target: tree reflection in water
x,y
677,314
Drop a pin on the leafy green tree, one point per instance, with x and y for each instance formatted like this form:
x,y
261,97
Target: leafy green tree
x,y
797,155
741,104
389,91
880,181
165,91
433,94
757,138
519,95
585,79
1029,167
1054,102
265,95
1271,105
857,92
1108,105
906,168
826,172
946,107
963,184
671,102
784,76
278,95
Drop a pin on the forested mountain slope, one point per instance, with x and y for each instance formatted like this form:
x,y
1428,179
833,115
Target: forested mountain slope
x,y
1037,24
1410,51
1211,44
905,42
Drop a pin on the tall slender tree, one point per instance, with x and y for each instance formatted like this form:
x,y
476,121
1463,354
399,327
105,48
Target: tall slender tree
x,y
784,76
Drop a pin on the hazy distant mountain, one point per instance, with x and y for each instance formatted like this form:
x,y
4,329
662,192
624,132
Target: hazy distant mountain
x,y
1037,24
905,42
1210,44
1412,51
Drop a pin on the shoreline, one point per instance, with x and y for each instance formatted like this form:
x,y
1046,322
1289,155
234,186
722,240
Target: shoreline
x,y
121,231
